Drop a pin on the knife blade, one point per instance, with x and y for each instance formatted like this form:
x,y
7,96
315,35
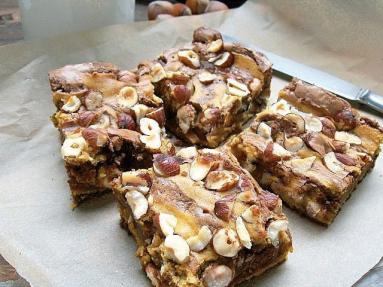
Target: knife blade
x,y
319,78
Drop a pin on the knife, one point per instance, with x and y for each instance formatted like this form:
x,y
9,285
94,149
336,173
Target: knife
x,y
321,79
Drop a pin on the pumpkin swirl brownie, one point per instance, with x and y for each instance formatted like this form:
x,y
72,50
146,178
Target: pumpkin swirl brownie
x,y
199,219
108,119
311,148
210,88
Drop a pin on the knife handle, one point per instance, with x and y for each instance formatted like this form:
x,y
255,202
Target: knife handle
x,y
374,101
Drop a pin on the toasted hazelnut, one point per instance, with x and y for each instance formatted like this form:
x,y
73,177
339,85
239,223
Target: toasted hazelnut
x,y
224,60
176,248
93,100
217,276
165,165
293,144
86,118
180,9
158,115
280,151
255,86
281,107
95,138
293,124
187,152
135,180
151,141
201,240
221,180
167,223
313,124
199,168
185,117
328,128
71,105
206,77
251,214
73,146
157,73
226,243
347,137
215,46
223,207
319,142
205,35
264,130
345,159
215,6
242,232
127,97
181,94
140,111
137,202
273,230
126,121
149,126
189,58
334,164
103,122
156,8
301,165
197,6
236,88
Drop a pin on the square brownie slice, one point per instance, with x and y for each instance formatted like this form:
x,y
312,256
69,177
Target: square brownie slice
x,y
199,219
108,119
210,88
311,148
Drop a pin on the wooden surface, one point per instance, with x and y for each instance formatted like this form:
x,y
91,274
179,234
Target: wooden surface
x,y
11,31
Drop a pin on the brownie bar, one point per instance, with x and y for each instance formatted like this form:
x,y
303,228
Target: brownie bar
x,y
108,119
200,220
311,148
210,88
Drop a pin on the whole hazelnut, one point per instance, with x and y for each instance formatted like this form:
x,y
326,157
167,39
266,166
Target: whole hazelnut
x,y
216,6
197,6
180,9
159,7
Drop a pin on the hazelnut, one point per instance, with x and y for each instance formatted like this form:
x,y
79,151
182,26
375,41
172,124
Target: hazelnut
x,y
137,202
93,100
345,159
165,165
236,88
255,86
156,8
251,214
176,248
140,111
206,77
223,207
73,146
221,180
181,94
168,223
347,137
216,6
180,9
224,60
125,121
127,97
164,16
189,58
158,115
197,6
71,105
301,165
242,232
205,35
293,124
152,141
187,152
328,128
313,124
334,164
85,118
281,107
95,138
157,73
149,126
135,180
186,116
103,122
215,46
200,241
319,142
226,243
273,230
199,168
217,276
264,130
293,144
280,151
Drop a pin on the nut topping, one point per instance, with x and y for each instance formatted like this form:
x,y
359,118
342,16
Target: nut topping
x,y
126,121
274,228
189,58
293,124
181,94
221,180
95,138
168,223
135,180
345,159
293,144
226,243
103,123
334,164
149,126
151,141
301,165
242,232
217,276
72,147
255,86
236,88
223,207
93,100
158,115
140,110
281,107
199,168
186,116
313,124
347,137
187,152
264,130
200,241
165,165
251,214
177,248
127,97
72,104
224,60
157,73
137,203
215,46
206,77
278,150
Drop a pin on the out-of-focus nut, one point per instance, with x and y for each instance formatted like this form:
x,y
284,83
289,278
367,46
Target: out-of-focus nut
x,y
165,165
223,207
168,223
199,168
215,6
73,146
126,121
236,88
293,144
164,16
197,6
255,86
156,8
127,97
158,115
334,164
181,94
176,248
201,240
140,111
149,126
313,124
226,243
280,151
215,46
185,117
187,152
301,165
281,107
137,202
71,105
274,228
217,276
180,9
221,180
93,100
157,73
224,60
151,141
206,77
347,137
127,77
95,138
264,130
189,58
205,35
242,232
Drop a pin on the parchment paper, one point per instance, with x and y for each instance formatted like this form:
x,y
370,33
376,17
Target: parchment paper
x,y
51,245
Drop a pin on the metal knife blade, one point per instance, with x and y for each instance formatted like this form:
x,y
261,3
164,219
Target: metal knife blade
x,y
321,79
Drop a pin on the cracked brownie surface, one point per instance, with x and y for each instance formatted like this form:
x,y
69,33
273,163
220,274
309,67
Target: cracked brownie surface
x,y
108,119
201,220
311,148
